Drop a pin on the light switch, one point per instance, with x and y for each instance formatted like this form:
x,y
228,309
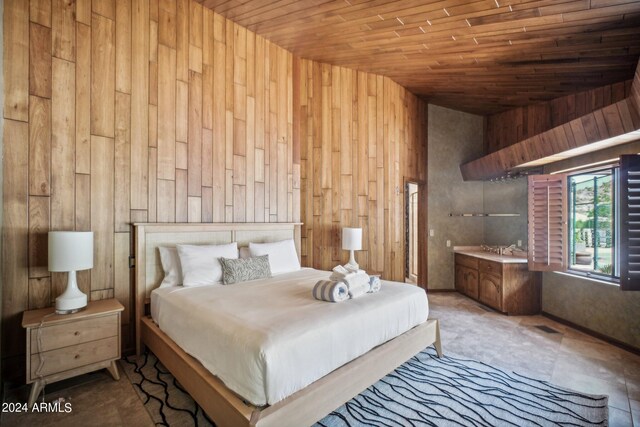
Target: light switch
x,y
519,243
448,243
432,232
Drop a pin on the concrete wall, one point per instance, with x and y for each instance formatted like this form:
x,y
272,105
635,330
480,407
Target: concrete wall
x,y
598,306
454,138
505,197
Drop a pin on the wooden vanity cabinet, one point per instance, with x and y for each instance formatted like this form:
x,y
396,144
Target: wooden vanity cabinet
x,y
467,276
507,287
490,286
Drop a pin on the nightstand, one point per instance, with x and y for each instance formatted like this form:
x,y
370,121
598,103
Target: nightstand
x,y
71,344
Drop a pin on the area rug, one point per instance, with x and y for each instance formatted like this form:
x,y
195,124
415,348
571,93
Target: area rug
x,y
424,391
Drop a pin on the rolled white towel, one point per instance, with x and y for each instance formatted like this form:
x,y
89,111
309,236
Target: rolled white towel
x,y
332,291
358,284
374,284
357,291
342,272
338,269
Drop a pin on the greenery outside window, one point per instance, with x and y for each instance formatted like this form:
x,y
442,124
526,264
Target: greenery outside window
x,y
593,223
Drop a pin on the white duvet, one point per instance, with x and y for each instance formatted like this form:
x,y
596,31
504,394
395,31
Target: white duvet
x,y
267,339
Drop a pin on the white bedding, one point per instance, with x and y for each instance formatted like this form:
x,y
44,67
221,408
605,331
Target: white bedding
x,y
268,338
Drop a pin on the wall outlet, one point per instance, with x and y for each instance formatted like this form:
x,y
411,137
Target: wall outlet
x,y
432,232
448,243
519,244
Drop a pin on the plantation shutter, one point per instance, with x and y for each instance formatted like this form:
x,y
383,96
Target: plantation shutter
x,y
630,223
548,222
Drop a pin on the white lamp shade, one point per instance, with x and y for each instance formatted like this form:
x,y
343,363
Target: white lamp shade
x,y
352,239
70,250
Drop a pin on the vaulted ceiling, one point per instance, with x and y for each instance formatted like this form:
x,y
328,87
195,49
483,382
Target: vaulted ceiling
x,y
481,56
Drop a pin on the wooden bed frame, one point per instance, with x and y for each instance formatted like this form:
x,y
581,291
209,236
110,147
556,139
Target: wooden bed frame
x,y
222,405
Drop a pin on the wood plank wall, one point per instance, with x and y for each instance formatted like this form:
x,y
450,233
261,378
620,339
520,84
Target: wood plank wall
x,y
361,135
511,126
133,111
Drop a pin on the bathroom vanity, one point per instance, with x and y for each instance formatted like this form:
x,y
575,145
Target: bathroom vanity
x,y
502,282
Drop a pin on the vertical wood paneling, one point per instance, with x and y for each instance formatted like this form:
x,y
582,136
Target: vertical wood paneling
x,y
195,134
166,112
16,59
83,11
63,145
103,61
181,196
153,184
123,45
137,111
360,137
105,8
39,146
122,162
40,12
182,111
182,39
83,99
39,292
63,28
139,103
102,202
39,61
38,228
166,201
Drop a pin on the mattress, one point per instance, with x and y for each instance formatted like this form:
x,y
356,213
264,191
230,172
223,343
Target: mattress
x,y
268,338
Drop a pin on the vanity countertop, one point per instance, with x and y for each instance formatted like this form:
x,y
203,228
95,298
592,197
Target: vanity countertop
x,y
476,251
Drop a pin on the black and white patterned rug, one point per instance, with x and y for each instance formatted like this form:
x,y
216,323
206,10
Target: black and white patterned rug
x,y
424,391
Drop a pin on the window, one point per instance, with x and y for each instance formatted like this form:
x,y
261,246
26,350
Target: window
x,y
588,222
593,224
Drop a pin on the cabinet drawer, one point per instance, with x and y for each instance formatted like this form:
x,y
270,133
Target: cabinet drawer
x,y
467,261
75,356
74,332
490,267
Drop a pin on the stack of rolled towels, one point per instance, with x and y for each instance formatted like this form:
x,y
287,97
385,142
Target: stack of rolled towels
x,y
344,283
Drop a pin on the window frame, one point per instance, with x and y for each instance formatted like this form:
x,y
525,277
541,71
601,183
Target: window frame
x,y
612,278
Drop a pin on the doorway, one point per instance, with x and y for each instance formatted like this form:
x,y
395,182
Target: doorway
x,y
411,233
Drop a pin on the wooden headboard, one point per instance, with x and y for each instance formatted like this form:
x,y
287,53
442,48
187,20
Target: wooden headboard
x,y
148,237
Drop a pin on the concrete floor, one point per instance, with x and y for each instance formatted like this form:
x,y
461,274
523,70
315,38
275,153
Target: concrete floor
x,y
567,358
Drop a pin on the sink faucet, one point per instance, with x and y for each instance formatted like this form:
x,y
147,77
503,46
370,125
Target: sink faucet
x,y
504,249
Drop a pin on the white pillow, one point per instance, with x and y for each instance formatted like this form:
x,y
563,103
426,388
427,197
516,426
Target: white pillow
x,y
200,265
171,266
283,257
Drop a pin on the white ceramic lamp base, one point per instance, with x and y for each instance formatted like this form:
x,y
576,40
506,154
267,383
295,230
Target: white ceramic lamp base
x,y
72,299
352,261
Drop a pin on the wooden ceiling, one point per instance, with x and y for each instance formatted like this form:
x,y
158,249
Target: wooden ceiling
x,y
481,56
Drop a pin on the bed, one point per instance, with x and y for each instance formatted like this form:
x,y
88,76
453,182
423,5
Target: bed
x,y
254,384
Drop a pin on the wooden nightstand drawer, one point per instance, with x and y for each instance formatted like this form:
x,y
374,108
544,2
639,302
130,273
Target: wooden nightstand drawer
x,y
75,356
72,333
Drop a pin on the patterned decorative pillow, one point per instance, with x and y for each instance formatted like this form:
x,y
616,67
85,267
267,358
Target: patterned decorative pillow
x,y
244,269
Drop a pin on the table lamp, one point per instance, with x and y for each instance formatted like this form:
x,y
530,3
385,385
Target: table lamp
x,y
352,241
70,251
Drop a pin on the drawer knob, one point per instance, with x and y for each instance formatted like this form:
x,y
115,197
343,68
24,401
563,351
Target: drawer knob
x,y
76,333
77,356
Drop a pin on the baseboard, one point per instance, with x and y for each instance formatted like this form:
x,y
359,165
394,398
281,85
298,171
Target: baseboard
x,y
593,333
